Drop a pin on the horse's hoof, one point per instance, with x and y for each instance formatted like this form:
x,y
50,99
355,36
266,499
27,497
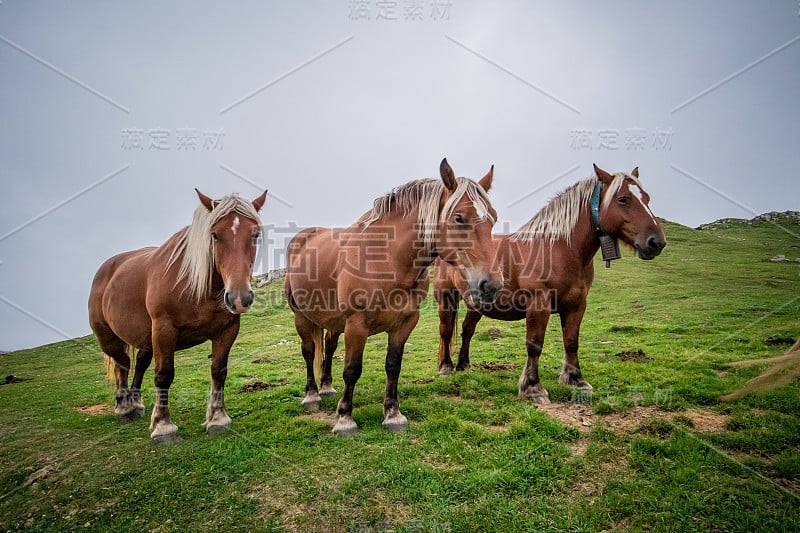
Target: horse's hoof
x,y
129,416
536,395
311,403
446,370
218,424
345,427
566,379
165,432
463,368
327,391
216,429
167,438
396,424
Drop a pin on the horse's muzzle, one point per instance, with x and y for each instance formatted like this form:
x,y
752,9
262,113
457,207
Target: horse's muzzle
x,y
239,302
488,291
651,247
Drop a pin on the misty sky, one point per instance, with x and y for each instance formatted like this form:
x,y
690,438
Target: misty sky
x,y
111,113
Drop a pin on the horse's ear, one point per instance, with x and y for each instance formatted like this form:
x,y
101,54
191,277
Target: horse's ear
x,y
258,203
635,173
486,181
602,175
207,202
448,176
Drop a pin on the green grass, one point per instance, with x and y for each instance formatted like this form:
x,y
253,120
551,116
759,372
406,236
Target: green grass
x,y
476,458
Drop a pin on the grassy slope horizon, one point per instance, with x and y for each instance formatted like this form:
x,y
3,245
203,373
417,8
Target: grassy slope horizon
x,y
476,458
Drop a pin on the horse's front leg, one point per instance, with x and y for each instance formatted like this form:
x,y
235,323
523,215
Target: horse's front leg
x,y
570,328
162,430
530,387
448,314
467,332
217,419
393,419
355,338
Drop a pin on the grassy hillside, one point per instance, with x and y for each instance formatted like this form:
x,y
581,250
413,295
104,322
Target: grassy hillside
x,y
653,448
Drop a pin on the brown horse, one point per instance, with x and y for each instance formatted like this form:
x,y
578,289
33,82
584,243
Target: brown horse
x,y
548,266
371,278
189,290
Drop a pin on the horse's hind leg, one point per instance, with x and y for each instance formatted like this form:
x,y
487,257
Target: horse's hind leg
x,y
570,327
117,350
331,343
143,359
308,332
162,430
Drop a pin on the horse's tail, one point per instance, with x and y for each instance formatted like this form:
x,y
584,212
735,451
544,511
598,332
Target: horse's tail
x,y
111,365
319,351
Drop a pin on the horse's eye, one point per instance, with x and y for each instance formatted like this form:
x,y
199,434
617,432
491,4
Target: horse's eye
x,y
623,200
459,219
215,237
255,240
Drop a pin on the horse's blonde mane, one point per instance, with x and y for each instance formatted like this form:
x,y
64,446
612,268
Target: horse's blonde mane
x,y
424,195
556,220
195,245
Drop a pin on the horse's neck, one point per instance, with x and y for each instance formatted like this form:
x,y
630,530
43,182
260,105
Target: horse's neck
x,y
410,256
583,239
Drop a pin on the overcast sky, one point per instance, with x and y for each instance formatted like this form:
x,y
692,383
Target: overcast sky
x,y
111,113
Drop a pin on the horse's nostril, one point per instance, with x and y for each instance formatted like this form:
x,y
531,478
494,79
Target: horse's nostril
x,y
488,289
228,300
655,244
247,299
483,286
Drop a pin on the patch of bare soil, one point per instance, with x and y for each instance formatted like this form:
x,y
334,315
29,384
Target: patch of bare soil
x,y
262,360
260,385
322,416
777,341
39,475
295,514
96,410
577,415
704,420
422,381
580,416
494,333
633,355
493,366
11,379
578,448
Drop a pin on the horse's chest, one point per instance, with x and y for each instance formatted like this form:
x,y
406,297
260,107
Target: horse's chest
x,y
200,329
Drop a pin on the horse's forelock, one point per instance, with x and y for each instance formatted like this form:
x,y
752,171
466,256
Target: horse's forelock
x,y
195,246
616,185
425,195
